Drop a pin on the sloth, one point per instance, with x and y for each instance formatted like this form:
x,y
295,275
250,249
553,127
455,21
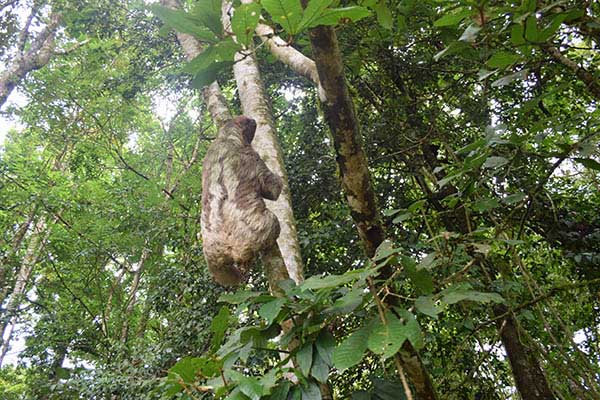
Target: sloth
x,y
236,224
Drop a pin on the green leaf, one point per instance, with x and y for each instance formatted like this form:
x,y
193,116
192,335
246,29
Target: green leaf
x,y
347,303
208,75
311,391
281,391
531,30
421,278
384,15
183,22
209,12
401,218
236,394
386,390
321,282
503,59
238,297
454,296
304,358
269,380
443,182
319,369
477,145
215,54
412,329
218,327
485,204
187,368
552,27
270,310
333,16
452,19
287,13
457,47
361,395
470,34
391,211
384,250
386,339
588,163
251,387
495,162
514,198
350,352
483,74
505,80
244,21
325,345
426,305
517,34
313,11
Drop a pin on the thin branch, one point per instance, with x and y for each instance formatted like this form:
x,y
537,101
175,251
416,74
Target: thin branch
x,y
584,75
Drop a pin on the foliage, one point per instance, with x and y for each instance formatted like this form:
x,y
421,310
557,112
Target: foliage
x,y
483,149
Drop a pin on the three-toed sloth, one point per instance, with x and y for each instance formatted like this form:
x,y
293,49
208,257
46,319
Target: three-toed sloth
x,y
236,224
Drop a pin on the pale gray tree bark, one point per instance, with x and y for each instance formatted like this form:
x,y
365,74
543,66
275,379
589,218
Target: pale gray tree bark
x,y
251,90
5,262
32,53
32,255
256,105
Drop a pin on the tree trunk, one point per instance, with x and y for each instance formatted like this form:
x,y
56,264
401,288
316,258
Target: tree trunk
x,y
356,179
529,377
9,317
5,262
135,284
41,48
211,94
256,105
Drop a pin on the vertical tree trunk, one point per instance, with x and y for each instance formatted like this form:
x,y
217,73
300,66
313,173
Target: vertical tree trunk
x,y
256,105
265,142
529,377
5,262
135,284
356,180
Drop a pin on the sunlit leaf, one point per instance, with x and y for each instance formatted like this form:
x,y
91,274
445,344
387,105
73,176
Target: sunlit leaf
x,y
244,21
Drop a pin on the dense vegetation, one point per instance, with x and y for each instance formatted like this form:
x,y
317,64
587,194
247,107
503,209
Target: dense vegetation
x,y
480,125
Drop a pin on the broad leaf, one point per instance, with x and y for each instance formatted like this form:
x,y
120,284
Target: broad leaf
x,y
209,12
304,358
311,392
350,352
384,15
313,11
452,19
325,345
244,21
386,339
287,13
514,198
426,305
495,162
251,387
334,15
218,327
589,163
184,22
270,310
503,59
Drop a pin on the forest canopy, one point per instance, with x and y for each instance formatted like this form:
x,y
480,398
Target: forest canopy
x,y
439,211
